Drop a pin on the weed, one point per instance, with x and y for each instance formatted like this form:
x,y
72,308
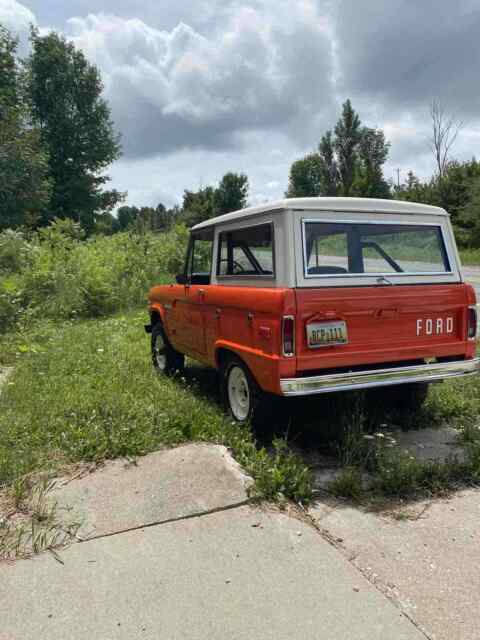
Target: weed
x,y
36,526
348,483
280,474
469,433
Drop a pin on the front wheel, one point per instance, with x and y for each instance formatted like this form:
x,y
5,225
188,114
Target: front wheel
x,y
243,398
165,358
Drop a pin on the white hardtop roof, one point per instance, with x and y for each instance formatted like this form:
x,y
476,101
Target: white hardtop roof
x,y
366,205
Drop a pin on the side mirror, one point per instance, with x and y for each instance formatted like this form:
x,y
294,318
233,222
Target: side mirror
x,y
181,278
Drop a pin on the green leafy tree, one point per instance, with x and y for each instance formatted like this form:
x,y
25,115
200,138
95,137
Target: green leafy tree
x,y
413,190
166,218
468,219
372,154
24,183
9,94
306,177
208,202
329,169
231,194
65,92
348,134
106,224
126,216
198,205
348,162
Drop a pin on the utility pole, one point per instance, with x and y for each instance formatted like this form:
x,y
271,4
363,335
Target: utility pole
x,y
398,178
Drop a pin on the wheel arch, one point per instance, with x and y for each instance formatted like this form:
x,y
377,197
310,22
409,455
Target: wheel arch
x,y
157,315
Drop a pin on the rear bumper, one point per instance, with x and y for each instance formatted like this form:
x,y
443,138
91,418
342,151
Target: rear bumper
x,y
378,378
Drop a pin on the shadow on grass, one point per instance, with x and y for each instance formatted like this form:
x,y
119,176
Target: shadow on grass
x,y
313,422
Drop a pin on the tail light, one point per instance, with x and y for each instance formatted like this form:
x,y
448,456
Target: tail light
x,y
288,336
472,322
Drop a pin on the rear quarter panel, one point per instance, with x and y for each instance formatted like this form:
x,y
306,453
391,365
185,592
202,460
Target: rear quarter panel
x,y
247,322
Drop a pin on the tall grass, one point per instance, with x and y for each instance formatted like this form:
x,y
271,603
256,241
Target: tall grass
x,y
56,274
86,390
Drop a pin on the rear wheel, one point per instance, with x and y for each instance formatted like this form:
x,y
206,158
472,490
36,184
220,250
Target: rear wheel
x,y
243,399
164,357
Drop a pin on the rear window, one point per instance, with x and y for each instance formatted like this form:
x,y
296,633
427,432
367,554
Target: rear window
x,y
246,252
373,248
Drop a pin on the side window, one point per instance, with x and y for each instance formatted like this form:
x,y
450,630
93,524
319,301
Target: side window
x,y
199,260
246,252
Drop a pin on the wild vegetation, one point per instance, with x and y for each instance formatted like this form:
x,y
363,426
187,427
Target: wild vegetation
x,y
55,273
73,281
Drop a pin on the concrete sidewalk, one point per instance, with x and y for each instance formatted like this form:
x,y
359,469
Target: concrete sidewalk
x,y
172,551
242,574
425,556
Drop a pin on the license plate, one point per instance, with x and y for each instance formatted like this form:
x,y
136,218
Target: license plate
x,y
325,334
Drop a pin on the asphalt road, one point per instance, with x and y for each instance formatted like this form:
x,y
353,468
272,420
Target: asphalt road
x,y
472,275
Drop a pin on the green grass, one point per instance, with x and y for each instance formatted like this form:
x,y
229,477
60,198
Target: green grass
x,y
470,256
86,390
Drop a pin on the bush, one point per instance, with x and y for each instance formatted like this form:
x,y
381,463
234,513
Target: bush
x,y
13,251
58,274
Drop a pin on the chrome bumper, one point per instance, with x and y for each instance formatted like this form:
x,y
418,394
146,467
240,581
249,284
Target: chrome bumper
x,y
378,377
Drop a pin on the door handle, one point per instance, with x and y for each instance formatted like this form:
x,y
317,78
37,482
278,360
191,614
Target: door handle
x,y
201,293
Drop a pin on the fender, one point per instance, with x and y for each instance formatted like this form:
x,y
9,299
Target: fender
x,y
156,307
263,366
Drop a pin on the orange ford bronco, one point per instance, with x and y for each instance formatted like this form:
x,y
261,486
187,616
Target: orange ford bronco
x,y
315,295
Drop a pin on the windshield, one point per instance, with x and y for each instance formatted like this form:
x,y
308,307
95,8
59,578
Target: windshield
x,y
373,248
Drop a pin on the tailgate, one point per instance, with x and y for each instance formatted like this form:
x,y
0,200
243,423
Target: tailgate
x,y
382,324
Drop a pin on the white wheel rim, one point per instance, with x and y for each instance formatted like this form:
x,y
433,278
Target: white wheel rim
x,y
238,393
159,352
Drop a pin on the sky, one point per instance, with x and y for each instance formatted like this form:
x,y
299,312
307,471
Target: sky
x,y
198,88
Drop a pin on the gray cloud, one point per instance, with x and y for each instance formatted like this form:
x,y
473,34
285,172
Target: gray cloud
x,y
160,15
17,18
182,88
250,85
403,54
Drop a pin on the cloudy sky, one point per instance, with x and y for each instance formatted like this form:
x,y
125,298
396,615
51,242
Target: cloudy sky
x,y
201,87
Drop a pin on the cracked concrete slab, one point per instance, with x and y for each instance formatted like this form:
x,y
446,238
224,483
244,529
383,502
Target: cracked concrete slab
x,y
426,556
244,574
165,485
431,444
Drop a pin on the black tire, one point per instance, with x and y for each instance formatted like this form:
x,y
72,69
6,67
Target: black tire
x,y
165,358
253,409
402,398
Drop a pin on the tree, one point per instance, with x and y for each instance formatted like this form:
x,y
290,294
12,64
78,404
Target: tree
x,y
305,177
106,224
126,216
469,217
65,94
348,163
372,154
445,130
329,169
198,205
24,184
231,194
348,134
8,71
